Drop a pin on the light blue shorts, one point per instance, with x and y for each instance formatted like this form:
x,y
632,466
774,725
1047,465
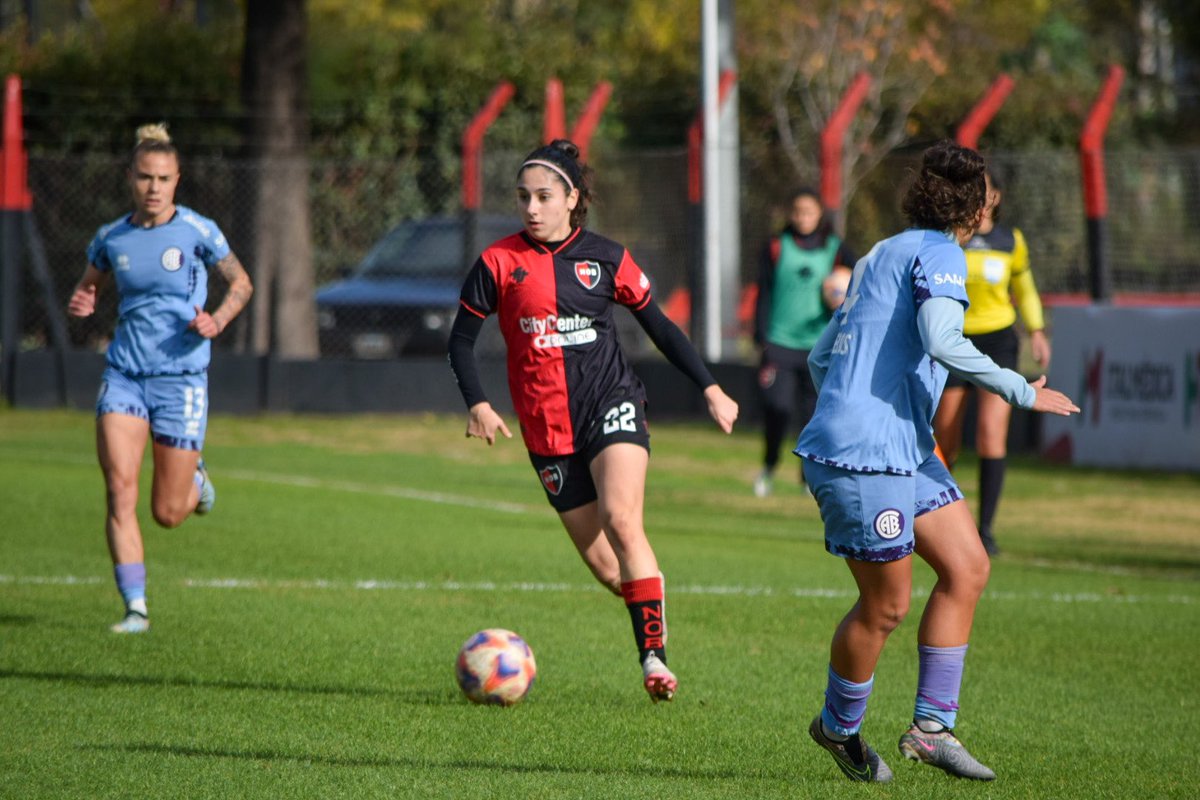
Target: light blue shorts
x,y
869,516
176,406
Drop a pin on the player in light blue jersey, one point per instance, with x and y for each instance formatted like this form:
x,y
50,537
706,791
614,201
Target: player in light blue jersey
x,y
879,368
156,381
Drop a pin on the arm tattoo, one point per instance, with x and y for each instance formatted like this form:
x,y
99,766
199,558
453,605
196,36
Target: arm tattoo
x,y
238,293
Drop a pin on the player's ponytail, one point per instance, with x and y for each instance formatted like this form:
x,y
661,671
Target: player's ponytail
x,y
562,158
153,138
949,191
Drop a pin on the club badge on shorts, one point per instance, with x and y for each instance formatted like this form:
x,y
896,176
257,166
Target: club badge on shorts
x,y
552,478
889,523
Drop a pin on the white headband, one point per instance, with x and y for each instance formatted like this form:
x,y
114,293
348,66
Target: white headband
x,y
534,162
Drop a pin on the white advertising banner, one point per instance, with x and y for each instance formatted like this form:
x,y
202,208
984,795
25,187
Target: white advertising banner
x,y
1135,373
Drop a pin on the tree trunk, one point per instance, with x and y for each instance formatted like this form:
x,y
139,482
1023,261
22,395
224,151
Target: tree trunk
x,y
274,95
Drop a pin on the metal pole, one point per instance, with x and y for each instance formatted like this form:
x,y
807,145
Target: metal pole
x,y
712,185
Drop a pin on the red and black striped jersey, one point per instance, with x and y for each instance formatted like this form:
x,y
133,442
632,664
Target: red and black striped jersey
x,y
555,309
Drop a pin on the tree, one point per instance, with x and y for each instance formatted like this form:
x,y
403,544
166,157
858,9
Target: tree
x,y
274,94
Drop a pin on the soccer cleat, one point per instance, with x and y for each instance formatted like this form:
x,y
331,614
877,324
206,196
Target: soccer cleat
x,y
944,751
208,492
659,681
854,757
762,484
133,623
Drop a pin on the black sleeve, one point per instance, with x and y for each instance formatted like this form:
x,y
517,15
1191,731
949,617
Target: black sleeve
x,y
461,353
845,256
674,345
762,304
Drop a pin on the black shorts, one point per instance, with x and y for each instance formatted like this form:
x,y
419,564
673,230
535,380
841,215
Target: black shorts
x,y
1002,346
567,479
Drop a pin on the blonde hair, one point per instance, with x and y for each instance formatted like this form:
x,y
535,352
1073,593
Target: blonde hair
x,y
153,138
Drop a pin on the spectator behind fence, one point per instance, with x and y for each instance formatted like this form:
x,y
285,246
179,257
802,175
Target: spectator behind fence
x,y
580,405
156,380
879,368
997,264
790,314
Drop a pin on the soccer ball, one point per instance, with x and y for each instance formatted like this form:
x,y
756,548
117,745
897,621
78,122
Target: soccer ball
x,y
495,667
835,286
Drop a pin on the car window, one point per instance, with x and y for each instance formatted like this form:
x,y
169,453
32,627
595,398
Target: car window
x,y
430,248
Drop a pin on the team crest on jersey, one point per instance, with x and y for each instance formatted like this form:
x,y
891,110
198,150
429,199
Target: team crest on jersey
x,y
588,273
552,478
172,259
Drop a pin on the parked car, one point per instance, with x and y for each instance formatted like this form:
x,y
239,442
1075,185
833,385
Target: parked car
x,y
402,297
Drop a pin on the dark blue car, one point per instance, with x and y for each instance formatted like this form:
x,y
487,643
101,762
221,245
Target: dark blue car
x,y
402,297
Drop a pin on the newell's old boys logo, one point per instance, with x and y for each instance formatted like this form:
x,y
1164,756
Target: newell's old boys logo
x,y
588,273
172,259
889,523
552,478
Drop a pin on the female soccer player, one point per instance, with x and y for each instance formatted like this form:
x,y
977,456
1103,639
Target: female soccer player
x,y
156,381
879,369
997,264
789,316
581,408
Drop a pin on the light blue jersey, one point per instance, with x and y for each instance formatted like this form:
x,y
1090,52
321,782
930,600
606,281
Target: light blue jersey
x,y
161,275
877,397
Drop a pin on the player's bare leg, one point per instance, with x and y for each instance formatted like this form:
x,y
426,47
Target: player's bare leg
x,y
175,493
583,526
120,445
948,422
619,472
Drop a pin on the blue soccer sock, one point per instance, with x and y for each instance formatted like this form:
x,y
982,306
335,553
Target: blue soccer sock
x,y
131,583
938,682
845,704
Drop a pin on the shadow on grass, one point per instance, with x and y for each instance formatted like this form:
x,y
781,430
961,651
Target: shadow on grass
x,y
15,620
656,771
426,697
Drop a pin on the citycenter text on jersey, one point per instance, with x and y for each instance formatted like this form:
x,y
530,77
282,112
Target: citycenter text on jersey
x,y
556,331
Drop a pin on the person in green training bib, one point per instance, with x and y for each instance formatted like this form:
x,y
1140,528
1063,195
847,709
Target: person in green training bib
x,y
790,315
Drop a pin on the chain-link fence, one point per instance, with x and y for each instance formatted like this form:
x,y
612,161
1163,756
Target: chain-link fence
x,y
388,236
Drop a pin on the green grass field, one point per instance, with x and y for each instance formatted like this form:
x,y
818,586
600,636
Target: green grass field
x,y
305,632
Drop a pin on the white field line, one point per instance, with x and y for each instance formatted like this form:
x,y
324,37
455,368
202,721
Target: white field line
x,y
371,585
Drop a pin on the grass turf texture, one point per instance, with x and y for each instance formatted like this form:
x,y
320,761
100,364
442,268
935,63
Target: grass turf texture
x,y
304,634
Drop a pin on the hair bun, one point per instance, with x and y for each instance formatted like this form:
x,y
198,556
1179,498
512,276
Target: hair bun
x,y
154,132
567,147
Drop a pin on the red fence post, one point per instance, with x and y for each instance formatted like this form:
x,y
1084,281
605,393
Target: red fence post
x,y
833,141
14,161
589,118
977,118
555,123
1095,192
472,143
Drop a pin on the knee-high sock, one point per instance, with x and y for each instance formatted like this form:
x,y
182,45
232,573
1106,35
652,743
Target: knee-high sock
x,y
845,704
645,599
775,423
939,679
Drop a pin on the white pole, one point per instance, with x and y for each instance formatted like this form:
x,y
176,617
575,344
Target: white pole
x,y
711,183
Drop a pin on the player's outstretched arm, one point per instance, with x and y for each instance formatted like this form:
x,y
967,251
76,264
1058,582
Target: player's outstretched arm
x,y
483,422
1051,401
721,407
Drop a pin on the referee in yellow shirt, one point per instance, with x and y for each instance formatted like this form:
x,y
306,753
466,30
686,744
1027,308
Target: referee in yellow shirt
x,y
997,275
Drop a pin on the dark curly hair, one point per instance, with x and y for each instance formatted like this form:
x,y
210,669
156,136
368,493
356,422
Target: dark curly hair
x,y
564,154
949,191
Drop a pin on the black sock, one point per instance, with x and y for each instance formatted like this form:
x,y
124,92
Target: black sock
x,y
991,482
774,427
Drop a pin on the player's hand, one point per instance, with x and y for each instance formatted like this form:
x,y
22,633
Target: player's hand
x,y
1050,401
204,324
483,422
1039,348
83,301
721,407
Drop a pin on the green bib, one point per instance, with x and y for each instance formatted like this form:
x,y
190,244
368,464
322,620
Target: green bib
x,y
797,313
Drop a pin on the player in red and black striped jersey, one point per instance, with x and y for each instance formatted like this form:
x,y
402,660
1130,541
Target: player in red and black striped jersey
x,y
581,407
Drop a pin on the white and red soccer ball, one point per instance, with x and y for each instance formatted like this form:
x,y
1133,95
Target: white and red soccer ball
x,y
495,667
